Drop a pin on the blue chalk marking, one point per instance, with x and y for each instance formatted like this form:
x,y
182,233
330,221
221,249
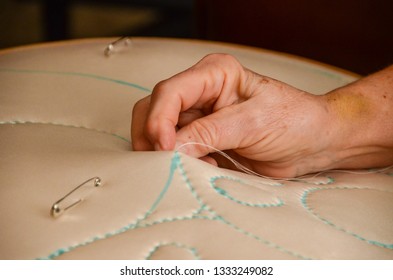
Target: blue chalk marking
x,y
77,74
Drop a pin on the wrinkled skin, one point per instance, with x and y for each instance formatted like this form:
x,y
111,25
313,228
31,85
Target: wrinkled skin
x,y
267,125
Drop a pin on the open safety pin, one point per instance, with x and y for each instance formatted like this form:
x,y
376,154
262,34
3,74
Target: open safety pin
x,y
58,209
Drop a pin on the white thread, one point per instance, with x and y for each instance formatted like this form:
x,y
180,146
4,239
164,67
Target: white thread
x,y
251,172
236,163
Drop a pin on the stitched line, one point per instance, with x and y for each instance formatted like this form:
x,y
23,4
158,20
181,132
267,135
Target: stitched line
x,y
23,122
261,240
175,164
161,195
172,169
326,221
132,225
226,177
77,74
233,226
188,182
190,249
330,181
200,210
224,221
217,217
225,194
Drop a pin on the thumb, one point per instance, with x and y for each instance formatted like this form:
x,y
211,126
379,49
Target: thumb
x,y
222,130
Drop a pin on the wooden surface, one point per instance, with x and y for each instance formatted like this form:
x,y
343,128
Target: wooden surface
x,y
352,34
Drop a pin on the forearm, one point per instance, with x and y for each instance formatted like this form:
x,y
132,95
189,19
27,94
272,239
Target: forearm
x,y
362,116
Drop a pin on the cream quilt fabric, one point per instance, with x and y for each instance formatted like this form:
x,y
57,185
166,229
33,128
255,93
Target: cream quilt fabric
x,y
65,112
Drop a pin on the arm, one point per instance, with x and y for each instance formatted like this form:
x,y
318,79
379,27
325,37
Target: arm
x,y
363,114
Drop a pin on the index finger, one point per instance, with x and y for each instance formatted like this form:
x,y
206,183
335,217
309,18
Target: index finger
x,y
199,87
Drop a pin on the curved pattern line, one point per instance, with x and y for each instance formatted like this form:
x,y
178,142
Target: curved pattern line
x,y
227,195
176,164
78,74
23,122
192,250
330,223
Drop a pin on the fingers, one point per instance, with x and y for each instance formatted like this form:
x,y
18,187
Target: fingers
x,y
209,84
222,130
168,100
189,116
217,105
139,115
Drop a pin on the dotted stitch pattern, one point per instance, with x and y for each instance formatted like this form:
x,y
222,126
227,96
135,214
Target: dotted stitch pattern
x,y
227,195
177,164
192,250
326,221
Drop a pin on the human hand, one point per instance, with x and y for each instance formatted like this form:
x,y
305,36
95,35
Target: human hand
x,y
268,126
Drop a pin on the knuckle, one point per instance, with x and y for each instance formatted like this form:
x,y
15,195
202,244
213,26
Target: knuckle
x,y
225,59
138,107
223,62
205,132
162,87
159,86
220,57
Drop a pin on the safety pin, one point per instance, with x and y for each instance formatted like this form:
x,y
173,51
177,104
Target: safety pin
x,y
57,208
110,48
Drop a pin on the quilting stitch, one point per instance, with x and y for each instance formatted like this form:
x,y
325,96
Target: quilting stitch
x,y
192,250
22,122
175,164
227,194
326,221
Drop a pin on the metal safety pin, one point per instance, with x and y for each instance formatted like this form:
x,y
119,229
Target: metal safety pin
x,y
110,48
57,208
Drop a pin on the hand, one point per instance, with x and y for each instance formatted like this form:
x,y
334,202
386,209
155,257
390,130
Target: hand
x,y
268,126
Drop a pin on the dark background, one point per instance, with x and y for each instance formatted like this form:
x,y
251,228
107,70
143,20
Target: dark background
x,y
356,35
